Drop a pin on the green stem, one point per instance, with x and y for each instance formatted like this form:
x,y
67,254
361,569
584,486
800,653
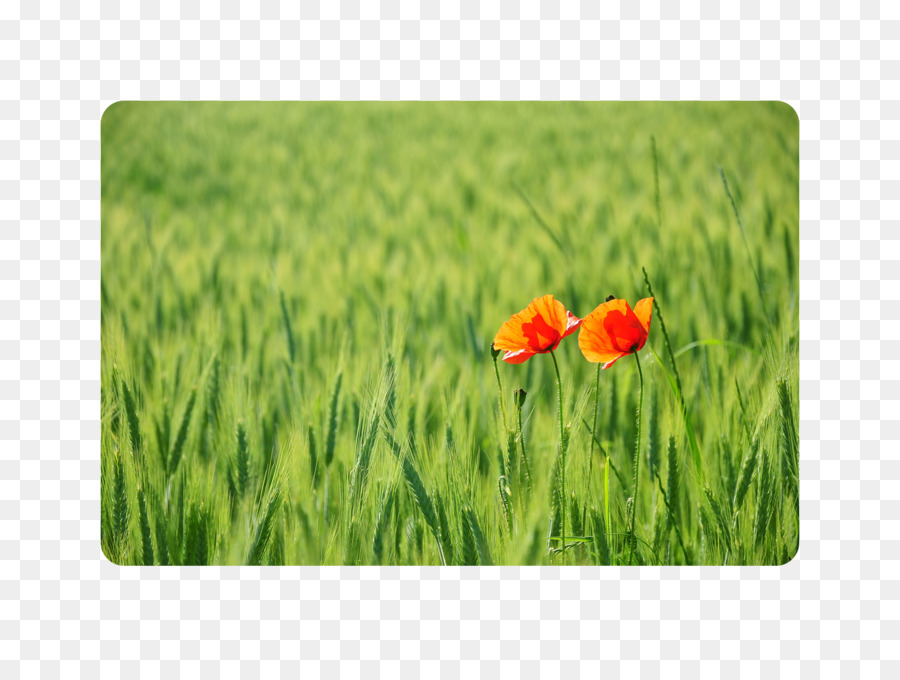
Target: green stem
x,y
562,463
606,507
504,430
521,436
594,428
593,439
637,463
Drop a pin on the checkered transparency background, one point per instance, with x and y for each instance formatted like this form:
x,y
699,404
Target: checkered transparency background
x,y
66,611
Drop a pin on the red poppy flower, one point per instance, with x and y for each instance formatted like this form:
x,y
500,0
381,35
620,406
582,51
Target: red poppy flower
x,y
613,330
537,329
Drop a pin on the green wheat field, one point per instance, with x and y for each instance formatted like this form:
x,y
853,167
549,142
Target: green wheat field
x,y
298,305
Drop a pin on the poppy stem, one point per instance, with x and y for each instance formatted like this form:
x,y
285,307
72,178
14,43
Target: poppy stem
x,y
505,432
594,428
521,437
637,463
593,439
562,463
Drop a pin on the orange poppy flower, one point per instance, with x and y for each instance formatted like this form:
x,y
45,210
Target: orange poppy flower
x,y
614,330
537,329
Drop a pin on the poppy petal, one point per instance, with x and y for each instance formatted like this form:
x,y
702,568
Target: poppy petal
x,y
643,310
609,332
537,328
595,344
599,356
510,336
623,327
518,357
550,321
572,324
614,360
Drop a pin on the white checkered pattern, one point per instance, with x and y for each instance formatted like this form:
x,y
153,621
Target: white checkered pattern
x,y
66,611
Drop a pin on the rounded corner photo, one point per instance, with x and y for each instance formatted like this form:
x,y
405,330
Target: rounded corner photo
x,y
435,333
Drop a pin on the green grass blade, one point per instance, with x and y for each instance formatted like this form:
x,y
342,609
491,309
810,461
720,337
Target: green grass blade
x,y
481,543
264,529
686,417
540,220
146,537
288,330
134,426
180,438
332,419
713,342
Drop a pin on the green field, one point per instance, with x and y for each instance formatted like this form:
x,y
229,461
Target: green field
x,y
298,302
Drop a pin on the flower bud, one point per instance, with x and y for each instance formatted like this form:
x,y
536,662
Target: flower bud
x,y
519,396
495,352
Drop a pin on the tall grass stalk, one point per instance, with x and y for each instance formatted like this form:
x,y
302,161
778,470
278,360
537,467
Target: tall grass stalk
x,y
384,511
606,513
481,543
313,455
181,437
688,426
494,354
506,436
765,492
146,538
789,442
134,427
331,419
264,528
672,486
670,513
520,436
122,513
656,182
632,543
424,503
242,461
288,330
753,267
